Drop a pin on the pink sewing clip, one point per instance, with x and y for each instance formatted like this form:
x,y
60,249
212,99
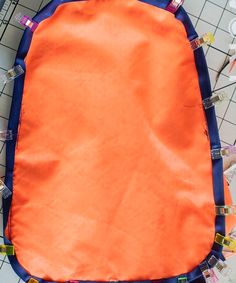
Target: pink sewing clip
x,y
208,273
26,22
214,278
174,5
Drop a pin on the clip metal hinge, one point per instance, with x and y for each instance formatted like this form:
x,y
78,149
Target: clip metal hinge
x,y
207,38
226,242
26,22
7,250
218,153
33,280
6,135
214,100
174,5
221,266
11,74
226,210
4,190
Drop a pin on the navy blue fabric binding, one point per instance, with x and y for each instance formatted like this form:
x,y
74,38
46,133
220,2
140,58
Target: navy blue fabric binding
x,y
196,275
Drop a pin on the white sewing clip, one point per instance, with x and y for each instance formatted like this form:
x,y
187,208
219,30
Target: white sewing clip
x,y
11,74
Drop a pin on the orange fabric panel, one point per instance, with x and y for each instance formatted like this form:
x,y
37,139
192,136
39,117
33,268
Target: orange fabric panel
x,y
113,176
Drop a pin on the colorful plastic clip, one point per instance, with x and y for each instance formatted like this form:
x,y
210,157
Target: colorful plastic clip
x,y
226,151
206,272
227,242
6,135
174,5
12,74
26,22
4,191
183,279
221,266
214,100
207,38
226,210
7,250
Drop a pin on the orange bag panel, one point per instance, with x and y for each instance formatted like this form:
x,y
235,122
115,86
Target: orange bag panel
x,y
113,176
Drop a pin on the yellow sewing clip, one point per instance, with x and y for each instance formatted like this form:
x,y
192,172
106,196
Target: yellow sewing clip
x,y
226,242
207,38
7,250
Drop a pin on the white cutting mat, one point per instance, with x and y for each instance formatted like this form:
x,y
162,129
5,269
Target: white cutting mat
x,y
213,16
